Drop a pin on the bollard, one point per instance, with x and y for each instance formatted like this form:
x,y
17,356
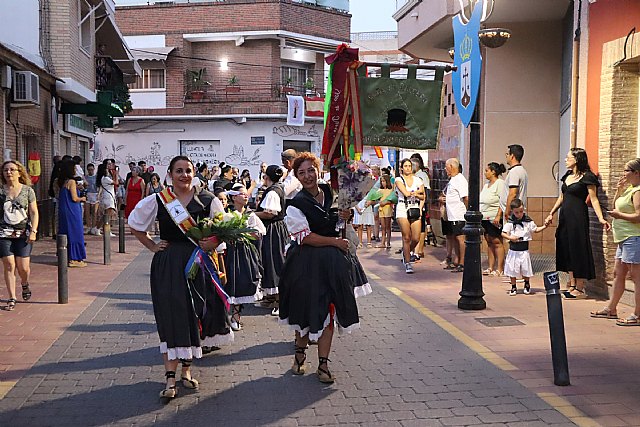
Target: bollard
x,y
106,240
556,329
63,282
121,231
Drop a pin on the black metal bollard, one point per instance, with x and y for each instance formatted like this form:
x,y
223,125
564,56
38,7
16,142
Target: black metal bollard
x,y
106,241
556,330
63,265
121,231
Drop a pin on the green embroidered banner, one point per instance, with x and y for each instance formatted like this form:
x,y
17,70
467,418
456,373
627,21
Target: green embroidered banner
x,y
400,113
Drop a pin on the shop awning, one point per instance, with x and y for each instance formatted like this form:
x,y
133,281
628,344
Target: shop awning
x,y
110,42
104,110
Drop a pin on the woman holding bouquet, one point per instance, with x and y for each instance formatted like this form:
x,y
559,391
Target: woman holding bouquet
x,y
243,266
177,304
271,211
321,277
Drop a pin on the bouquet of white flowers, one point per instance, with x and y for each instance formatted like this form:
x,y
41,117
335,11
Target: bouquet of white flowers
x,y
229,227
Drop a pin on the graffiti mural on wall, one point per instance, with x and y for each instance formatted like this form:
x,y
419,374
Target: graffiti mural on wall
x,y
154,157
237,157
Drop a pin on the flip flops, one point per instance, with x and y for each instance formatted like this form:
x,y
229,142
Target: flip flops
x,y
632,320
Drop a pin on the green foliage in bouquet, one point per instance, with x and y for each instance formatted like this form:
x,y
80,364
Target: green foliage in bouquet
x,y
229,227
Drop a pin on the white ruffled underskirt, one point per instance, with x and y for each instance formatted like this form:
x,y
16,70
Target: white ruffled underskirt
x,y
246,300
361,291
269,291
196,352
314,336
181,352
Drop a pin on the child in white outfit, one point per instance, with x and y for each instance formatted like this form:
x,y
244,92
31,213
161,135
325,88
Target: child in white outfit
x,y
519,230
363,218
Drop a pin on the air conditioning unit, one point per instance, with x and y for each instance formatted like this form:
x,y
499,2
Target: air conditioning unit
x,y
26,87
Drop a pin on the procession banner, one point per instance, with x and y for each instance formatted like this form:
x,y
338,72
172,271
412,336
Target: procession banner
x,y
402,113
466,79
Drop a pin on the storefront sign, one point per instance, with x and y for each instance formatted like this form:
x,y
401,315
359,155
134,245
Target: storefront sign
x,y
257,140
78,125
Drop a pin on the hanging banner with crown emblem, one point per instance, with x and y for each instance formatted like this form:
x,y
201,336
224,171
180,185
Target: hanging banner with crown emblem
x,y
466,80
403,113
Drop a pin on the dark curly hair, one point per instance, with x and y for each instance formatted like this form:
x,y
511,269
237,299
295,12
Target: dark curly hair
x,y
303,157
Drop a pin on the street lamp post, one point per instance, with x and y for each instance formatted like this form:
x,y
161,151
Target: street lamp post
x,y
471,295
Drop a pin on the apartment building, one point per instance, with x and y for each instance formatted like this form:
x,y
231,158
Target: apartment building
x,y
59,63
216,76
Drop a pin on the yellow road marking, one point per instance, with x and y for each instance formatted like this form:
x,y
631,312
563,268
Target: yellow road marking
x,y
5,386
559,403
373,276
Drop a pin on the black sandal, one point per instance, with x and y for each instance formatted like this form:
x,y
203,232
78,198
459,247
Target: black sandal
x,y
170,391
26,292
567,292
190,383
11,304
323,374
299,367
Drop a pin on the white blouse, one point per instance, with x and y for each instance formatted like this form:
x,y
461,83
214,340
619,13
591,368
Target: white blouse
x,y
297,224
254,222
271,203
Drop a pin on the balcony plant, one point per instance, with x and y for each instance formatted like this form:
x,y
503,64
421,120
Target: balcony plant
x,y
286,86
310,87
196,83
232,85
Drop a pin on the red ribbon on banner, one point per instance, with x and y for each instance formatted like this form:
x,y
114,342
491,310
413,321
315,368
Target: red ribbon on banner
x,y
344,106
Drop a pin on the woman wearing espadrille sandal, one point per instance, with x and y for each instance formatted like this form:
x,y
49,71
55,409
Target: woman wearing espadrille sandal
x,y
321,278
626,233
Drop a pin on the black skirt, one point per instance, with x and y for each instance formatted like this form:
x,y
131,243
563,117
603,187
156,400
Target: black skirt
x,y
244,273
315,278
177,306
273,248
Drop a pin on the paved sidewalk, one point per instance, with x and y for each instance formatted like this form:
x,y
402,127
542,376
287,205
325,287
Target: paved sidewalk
x,y
28,331
603,358
400,369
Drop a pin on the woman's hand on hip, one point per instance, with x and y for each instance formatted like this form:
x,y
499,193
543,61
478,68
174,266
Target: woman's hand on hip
x,y
160,246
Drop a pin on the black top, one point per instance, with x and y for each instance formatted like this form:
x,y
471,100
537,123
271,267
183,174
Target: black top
x,y
279,190
322,219
199,207
223,183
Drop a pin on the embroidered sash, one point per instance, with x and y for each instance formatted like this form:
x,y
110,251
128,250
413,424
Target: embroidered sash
x,y
182,218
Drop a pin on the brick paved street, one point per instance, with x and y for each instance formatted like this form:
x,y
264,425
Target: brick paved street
x,y
399,369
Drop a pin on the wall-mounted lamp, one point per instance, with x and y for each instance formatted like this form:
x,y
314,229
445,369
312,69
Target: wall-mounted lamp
x,y
224,64
494,37
414,15
452,52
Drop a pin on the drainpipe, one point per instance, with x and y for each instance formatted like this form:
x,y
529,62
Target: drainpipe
x,y
575,64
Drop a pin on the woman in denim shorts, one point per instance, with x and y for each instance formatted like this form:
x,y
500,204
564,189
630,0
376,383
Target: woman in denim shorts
x,y
626,233
18,228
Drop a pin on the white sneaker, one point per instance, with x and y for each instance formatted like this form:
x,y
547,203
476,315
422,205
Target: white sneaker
x,y
235,326
408,268
112,235
276,311
97,232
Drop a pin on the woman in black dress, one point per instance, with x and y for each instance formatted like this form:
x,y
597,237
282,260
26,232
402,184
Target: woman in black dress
x,y
321,277
188,315
573,245
271,211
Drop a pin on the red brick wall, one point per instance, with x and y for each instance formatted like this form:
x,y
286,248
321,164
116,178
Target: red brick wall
x,y
239,15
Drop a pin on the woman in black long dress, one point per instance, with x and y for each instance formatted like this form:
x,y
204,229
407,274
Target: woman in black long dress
x,y
188,315
573,245
321,278
271,211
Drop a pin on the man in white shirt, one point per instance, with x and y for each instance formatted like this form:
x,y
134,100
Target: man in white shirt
x,y
291,184
516,181
456,199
